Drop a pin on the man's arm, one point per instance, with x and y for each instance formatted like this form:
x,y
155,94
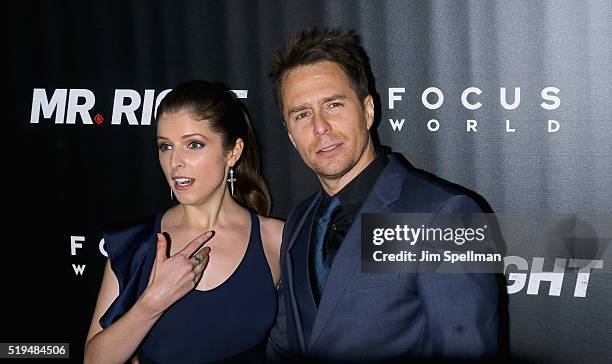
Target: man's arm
x,y
461,308
277,350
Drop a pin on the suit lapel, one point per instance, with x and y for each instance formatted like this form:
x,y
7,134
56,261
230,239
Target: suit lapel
x,y
304,221
384,192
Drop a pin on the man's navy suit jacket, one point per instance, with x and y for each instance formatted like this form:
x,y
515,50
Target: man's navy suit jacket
x,y
382,316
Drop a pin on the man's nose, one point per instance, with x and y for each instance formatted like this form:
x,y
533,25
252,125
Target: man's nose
x,y
320,124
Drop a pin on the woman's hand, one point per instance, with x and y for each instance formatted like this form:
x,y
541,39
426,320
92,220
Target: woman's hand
x,y
173,277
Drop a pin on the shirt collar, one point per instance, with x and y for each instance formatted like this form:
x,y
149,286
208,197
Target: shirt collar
x,y
355,192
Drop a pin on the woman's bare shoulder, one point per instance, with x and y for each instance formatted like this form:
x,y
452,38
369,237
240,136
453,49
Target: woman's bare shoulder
x,y
272,230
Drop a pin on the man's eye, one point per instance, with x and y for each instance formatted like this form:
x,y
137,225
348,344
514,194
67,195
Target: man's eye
x,y
301,115
334,105
195,145
164,147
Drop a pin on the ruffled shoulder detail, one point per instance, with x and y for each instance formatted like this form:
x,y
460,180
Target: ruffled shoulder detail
x,y
128,250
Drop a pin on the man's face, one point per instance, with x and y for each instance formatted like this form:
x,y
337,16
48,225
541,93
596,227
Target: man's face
x,y
326,121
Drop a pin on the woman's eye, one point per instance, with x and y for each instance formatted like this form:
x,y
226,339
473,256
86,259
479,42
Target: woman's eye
x,y
195,145
164,147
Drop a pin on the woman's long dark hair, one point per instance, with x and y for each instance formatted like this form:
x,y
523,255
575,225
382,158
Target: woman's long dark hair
x,y
226,115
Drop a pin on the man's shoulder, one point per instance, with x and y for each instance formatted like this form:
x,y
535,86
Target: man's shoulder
x,y
427,192
302,206
421,181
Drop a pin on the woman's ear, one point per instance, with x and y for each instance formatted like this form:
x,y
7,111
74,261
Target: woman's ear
x,y
236,152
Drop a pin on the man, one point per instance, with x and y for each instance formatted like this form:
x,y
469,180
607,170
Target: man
x,y
329,310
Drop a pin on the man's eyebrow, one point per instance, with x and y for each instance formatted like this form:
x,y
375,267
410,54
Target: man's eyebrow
x,y
324,100
333,98
298,108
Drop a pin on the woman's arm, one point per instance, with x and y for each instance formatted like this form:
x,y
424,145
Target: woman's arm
x,y
171,278
119,341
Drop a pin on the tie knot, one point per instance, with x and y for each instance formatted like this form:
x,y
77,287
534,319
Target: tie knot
x,y
329,205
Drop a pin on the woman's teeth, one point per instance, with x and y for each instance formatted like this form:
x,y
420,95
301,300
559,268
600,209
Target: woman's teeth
x,y
183,181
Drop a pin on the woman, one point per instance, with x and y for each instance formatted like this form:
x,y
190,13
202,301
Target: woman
x,y
204,290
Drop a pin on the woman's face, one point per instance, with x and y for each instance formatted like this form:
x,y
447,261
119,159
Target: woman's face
x,y
191,156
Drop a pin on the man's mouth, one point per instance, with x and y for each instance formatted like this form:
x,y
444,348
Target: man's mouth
x,y
329,148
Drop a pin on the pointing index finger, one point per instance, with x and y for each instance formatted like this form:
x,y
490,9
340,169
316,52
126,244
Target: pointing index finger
x,y
197,243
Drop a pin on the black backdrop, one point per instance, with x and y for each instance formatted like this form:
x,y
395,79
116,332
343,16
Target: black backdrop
x,y
68,177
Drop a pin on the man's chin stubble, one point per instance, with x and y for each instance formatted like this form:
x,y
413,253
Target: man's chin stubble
x,y
335,176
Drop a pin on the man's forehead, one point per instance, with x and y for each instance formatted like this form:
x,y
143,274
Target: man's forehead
x,y
315,81
317,69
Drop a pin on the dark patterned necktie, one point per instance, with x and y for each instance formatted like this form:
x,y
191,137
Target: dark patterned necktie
x,y
328,206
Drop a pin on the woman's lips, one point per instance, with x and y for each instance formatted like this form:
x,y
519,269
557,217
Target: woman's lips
x,y
182,183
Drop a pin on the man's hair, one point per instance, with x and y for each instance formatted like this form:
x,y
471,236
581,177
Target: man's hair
x,y
313,46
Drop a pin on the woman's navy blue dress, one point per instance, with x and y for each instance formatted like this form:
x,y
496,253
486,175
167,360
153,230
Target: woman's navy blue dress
x,y
229,323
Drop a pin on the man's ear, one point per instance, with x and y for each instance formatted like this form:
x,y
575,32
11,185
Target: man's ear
x,y
368,108
236,152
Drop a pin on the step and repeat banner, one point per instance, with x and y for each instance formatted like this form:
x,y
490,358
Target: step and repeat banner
x,y
510,99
